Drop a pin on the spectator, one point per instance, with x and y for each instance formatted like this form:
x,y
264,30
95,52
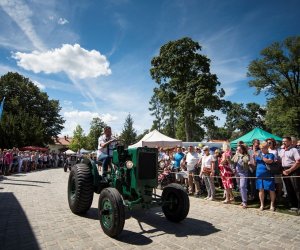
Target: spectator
x,y
1,162
207,172
263,181
226,173
192,160
252,169
278,180
177,159
290,160
240,160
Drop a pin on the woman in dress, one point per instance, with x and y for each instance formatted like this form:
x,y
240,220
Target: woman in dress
x,y
240,160
226,173
263,181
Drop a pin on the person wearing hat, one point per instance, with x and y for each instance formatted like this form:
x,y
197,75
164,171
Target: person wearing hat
x,y
207,172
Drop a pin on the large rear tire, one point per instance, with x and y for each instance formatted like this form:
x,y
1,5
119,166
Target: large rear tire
x,y
80,189
176,203
111,212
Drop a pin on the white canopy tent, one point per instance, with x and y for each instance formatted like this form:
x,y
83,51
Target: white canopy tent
x,y
69,152
156,139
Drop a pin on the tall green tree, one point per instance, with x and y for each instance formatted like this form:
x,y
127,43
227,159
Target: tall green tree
x,y
277,73
79,139
128,133
29,116
185,83
244,118
96,129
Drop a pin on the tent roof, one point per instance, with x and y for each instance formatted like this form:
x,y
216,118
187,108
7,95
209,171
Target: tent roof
x,y
156,139
256,133
69,152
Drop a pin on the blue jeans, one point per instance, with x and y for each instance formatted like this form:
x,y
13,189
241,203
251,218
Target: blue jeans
x,y
105,159
242,183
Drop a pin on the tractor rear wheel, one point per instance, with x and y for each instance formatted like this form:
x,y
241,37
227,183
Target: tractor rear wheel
x,y
111,212
80,189
176,203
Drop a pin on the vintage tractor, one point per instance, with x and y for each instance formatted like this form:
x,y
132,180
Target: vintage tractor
x,y
130,184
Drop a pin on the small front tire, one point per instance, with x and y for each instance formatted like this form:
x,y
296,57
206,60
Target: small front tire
x,y
111,212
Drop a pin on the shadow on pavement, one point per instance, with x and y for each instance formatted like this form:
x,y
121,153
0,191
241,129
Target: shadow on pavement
x,y
159,226
46,182
19,184
92,213
15,229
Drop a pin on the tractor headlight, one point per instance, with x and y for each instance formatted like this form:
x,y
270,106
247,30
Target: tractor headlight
x,y
129,164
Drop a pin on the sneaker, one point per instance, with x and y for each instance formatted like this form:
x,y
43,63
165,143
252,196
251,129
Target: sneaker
x,y
272,209
210,199
206,198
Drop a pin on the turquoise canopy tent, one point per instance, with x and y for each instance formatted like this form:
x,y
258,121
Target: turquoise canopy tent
x,y
256,133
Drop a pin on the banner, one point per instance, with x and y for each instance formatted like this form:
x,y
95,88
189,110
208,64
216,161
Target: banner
x,y
1,108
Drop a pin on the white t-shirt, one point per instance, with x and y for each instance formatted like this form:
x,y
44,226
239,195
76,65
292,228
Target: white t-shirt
x,y
108,150
191,160
207,161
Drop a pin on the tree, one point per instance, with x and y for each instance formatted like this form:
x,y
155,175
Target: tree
x,y
128,133
97,126
29,117
246,118
79,139
277,73
185,83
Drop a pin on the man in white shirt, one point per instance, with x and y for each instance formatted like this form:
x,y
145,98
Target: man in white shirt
x,y
192,161
106,144
290,160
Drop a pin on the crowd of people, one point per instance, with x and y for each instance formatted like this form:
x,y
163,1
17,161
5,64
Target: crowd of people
x,y
16,161
250,170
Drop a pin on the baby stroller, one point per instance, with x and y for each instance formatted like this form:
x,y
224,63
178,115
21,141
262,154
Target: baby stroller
x,y
165,178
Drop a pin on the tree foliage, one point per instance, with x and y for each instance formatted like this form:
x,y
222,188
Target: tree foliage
x,y
186,86
96,129
128,134
29,117
277,73
79,140
245,118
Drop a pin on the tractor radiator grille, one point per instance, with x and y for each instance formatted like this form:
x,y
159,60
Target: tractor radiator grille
x,y
147,165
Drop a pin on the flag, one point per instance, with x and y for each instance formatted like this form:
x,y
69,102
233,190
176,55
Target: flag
x,y
1,107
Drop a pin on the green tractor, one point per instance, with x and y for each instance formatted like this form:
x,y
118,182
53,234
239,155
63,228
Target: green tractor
x,y
130,184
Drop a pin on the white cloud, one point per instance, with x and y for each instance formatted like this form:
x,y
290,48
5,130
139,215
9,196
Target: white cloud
x,y
21,14
75,117
62,21
75,61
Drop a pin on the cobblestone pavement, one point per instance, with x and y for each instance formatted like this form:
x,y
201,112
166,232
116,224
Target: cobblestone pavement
x,y
34,214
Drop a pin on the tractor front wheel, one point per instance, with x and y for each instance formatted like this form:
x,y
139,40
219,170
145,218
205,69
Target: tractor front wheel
x,y
111,212
176,203
80,189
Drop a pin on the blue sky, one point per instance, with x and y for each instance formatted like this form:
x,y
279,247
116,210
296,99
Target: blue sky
x,y
94,56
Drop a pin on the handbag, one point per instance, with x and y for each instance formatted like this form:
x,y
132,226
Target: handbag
x,y
206,170
274,168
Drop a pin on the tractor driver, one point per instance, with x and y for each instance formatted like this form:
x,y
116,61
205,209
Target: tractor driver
x,y
106,143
